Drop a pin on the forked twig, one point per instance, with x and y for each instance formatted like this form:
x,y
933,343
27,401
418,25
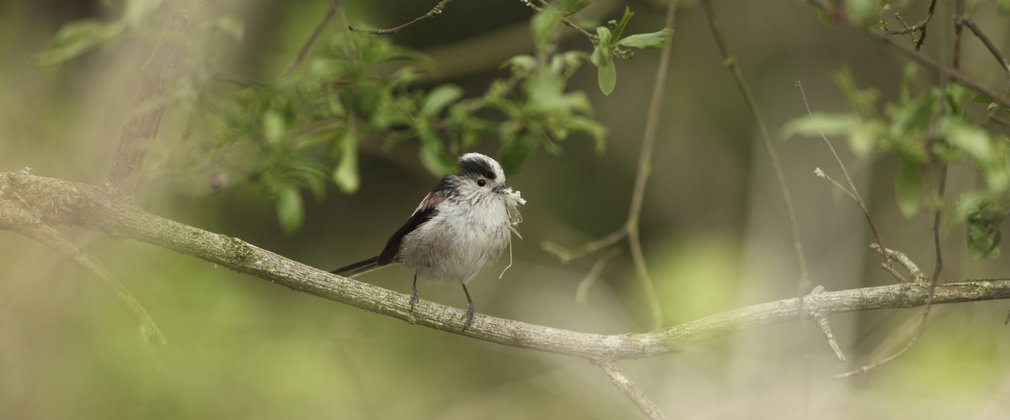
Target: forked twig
x,y
852,191
630,229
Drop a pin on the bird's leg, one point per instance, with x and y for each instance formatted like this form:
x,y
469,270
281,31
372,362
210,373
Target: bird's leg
x,y
413,294
468,316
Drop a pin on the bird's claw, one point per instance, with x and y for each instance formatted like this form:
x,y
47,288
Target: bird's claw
x,y
467,318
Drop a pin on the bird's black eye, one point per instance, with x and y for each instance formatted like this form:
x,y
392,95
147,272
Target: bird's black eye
x,y
481,182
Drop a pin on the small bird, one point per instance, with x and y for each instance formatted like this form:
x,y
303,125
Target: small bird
x,y
460,227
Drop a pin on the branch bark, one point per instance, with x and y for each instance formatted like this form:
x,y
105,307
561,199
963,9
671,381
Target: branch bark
x,y
27,199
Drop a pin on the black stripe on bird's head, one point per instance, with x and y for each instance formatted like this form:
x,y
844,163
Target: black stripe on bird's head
x,y
478,165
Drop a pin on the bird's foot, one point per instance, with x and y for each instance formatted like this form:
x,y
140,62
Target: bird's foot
x,y
413,300
467,317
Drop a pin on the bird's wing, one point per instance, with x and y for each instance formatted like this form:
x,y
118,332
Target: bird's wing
x,y
424,212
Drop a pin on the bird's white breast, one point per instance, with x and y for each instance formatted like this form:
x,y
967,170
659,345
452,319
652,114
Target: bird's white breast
x,y
458,242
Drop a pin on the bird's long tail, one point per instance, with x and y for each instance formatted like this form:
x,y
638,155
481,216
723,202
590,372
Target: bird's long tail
x,y
357,268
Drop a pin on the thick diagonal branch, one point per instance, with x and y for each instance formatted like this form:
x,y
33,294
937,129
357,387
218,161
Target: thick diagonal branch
x,y
26,198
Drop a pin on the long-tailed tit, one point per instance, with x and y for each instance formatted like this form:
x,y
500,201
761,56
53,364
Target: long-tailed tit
x,y
460,227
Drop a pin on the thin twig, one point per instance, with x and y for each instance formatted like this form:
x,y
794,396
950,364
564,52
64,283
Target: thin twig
x,y
566,255
938,265
594,273
330,14
818,172
54,239
852,192
564,19
968,22
822,321
906,262
645,168
945,71
937,215
632,391
435,11
930,292
730,62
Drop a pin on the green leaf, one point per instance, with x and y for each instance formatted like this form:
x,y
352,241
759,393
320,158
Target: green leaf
x,y
863,12
594,129
524,63
972,140
914,115
439,98
544,24
273,127
983,229
433,156
606,71
345,175
514,153
862,101
604,38
290,214
76,38
863,139
907,79
545,92
908,188
815,124
647,40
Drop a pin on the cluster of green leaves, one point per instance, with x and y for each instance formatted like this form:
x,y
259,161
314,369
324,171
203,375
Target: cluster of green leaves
x,y
305,129
346,93
609,41
928,128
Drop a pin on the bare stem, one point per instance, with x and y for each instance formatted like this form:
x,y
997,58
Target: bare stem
x,y
330,14
645,168
435,11
989,45
944,71
54,239
566,255
852,191
632,391
564,19
594,273
730,62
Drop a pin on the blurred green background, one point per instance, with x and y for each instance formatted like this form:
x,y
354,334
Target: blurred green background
x,y
713,231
